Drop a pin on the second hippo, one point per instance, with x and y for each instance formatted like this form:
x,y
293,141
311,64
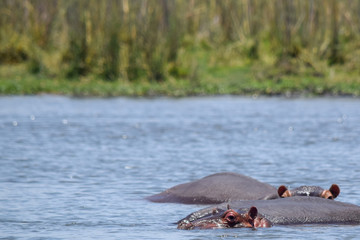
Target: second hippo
x,y
228,186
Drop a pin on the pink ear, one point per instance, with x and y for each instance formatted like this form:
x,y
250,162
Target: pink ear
x,y
335,190
281,190
253,212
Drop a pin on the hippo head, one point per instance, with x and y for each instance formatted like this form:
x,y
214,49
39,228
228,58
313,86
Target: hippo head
x,y
227,219
314,191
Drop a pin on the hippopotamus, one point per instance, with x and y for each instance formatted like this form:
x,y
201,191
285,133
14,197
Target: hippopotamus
x,y
217,188
227,186
314,191
282,211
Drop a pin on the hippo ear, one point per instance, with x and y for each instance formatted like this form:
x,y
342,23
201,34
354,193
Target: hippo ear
x,y
281,190
253,212
335,190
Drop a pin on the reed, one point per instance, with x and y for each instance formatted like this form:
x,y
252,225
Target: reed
x,y
162,40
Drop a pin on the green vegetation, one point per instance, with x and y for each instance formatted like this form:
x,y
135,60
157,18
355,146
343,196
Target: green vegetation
x,y
179,48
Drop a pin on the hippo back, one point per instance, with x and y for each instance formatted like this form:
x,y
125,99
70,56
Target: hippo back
x,y
217,188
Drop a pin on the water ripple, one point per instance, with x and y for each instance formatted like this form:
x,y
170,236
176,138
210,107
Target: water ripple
x,y
81,168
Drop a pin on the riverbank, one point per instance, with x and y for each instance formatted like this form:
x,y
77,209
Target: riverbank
x,y
176,48
16,80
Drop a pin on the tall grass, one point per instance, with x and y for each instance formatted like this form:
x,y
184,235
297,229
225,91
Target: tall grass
x,y
156,39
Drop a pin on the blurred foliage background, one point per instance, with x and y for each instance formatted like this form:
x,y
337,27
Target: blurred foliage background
x,y
199,43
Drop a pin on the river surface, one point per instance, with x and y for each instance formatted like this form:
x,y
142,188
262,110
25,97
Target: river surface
x,y
80,168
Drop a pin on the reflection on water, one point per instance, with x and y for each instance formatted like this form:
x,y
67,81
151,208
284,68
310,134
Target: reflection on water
x,y
80,168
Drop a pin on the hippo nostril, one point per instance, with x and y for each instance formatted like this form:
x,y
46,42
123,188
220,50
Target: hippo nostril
x,y
330,197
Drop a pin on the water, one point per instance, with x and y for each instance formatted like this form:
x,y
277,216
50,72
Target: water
x,y
80,168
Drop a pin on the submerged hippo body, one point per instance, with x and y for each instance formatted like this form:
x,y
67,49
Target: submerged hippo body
x,y
217,188
283,211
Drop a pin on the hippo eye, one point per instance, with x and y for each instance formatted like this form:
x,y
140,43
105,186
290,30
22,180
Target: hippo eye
x,y
330,197
230,217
